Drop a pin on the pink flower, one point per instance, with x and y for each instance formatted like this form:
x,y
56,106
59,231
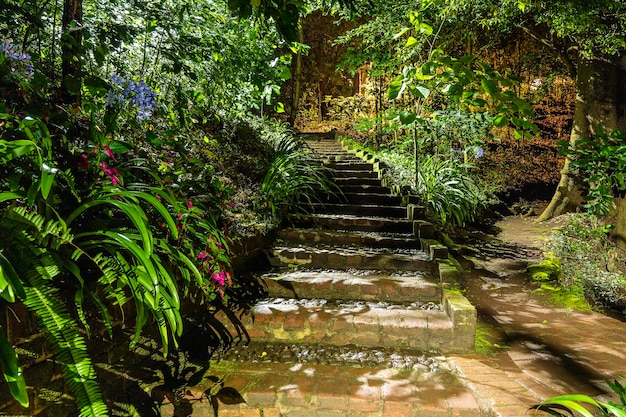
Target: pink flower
x,y
84,162
108,152
180,216
202,255
219,278
189,204
112,173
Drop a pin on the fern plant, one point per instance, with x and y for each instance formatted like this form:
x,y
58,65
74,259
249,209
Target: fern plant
x,y
31,263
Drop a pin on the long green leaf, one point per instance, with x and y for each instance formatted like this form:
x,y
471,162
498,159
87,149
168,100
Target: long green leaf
x,y
5,196
12,372
134,213
154,202
10,282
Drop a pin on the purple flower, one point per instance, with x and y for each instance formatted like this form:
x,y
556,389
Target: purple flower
x,y
136,94
18,63
479,152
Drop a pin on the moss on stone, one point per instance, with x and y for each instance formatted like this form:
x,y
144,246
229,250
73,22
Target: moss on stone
x,y
547,270
546,274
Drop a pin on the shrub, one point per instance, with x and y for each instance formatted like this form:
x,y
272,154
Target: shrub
x,y
589,260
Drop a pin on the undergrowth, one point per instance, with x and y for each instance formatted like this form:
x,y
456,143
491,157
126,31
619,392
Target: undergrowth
x,y
582,264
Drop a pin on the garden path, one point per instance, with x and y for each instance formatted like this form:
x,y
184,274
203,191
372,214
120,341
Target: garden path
x,y
544,350
314,354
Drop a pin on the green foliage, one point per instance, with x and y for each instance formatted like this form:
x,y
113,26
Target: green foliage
x,y
588,260
33,250
548,269
486,343
13,374
449,189
547,274
291,182
602,161
569,405
594,28
284,13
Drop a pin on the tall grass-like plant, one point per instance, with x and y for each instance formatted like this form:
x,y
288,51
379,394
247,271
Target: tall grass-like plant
x,y
449,189
291,182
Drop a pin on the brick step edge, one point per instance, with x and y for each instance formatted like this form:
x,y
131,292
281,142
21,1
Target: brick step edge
x,y
449,331
285,390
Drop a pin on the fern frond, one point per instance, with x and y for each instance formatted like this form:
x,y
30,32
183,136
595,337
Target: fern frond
x,y
68,344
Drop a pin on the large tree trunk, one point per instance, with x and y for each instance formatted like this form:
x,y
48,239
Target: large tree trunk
x,y
599,101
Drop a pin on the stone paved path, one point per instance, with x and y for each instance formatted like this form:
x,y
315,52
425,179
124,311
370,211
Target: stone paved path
x,y
551,350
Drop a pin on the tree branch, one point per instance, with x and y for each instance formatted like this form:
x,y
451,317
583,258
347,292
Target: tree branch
x,y
560,50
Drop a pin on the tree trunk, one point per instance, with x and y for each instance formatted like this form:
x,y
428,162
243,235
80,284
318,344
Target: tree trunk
x,y
297,81
599,101
619,233
71,48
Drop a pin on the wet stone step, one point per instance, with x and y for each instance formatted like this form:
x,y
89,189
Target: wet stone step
x,y
357,258
321,354
352,223
341,182
366,285
349,166
419,326
364,188
398,212
269,389
356,238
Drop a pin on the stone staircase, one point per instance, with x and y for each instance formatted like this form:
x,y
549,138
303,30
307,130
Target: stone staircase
x,y
359,312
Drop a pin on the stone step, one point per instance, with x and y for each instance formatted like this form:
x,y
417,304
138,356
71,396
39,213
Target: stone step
x,y
423,327
357,258
369,285
352,223
349,166
355,174
267,389
363,188
342,182
338,156
397,212
356,238
367,198
325,149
